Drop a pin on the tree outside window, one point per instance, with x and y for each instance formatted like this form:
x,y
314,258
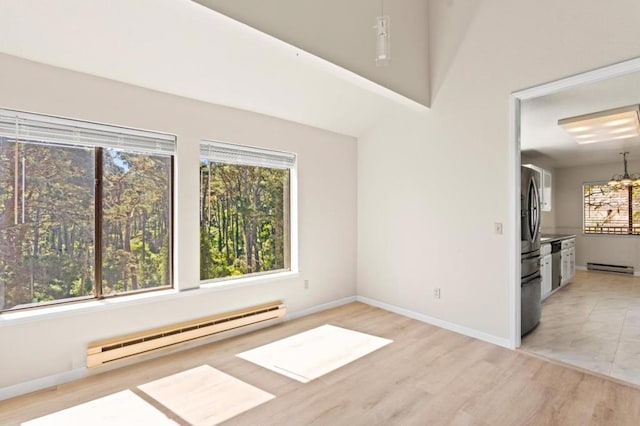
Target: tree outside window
x,y
611,210
78,221
244,217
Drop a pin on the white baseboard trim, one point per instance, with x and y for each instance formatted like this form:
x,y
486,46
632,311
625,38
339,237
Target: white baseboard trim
x,y
41,383
320,308
439,323
68,376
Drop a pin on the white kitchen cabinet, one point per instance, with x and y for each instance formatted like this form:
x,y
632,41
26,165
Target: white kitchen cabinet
x,y
572,263
565,267
545,271
568,260
545,186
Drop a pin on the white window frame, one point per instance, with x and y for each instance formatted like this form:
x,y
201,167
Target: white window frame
x,y
68,132
232,153
605,234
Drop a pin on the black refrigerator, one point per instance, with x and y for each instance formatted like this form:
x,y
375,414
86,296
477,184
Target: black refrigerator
x,y
530,278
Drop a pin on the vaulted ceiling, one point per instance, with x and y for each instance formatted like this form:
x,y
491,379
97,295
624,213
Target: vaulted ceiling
x,y
183,48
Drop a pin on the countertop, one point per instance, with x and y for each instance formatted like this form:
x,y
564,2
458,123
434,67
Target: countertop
x,y
550,238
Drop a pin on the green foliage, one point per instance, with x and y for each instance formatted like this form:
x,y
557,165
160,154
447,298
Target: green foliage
x,y
242,219
136,222
47,229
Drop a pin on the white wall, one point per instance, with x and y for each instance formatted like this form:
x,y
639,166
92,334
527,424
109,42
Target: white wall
x,y
414,232
617,250
431,186
342,32
56,345
447,30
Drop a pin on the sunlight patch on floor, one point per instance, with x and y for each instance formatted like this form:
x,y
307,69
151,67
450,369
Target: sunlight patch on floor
x,y
123,408
204,395
314,353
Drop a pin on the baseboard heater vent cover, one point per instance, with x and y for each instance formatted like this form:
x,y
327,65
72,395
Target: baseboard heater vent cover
x,y
621,269
108,350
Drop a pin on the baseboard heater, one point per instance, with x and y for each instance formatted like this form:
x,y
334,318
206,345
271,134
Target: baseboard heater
x,y
108,350
621,269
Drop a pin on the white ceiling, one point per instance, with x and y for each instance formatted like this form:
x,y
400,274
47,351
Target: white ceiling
x,y
182,48
342,32
541,137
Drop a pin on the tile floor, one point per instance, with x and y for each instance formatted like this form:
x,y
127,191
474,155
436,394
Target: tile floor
x,y
593,323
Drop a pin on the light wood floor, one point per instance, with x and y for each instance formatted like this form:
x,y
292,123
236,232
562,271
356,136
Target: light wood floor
x,y
593,323
427,376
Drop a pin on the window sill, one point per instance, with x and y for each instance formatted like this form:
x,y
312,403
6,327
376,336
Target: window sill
x,y
609,235
219,285
71,308
78,308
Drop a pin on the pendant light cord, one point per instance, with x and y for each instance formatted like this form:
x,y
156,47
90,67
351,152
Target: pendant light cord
x,y
624,156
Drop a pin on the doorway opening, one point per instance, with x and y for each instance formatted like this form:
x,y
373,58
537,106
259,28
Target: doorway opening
x,y
519,101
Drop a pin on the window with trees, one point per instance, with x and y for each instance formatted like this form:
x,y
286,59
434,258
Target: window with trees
x,y
85,210
245,210
613,210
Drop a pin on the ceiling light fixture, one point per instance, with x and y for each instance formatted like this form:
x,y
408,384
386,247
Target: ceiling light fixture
x,y
603,126
383,36
626,179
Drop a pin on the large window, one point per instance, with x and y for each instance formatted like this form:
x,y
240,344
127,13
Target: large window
x,y
245,210
611,210
85,210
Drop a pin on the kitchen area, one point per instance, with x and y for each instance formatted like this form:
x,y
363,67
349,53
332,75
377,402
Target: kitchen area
x,y
557,262
548,260
557,251
580,240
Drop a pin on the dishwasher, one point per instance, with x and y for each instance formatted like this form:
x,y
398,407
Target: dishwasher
x,y
556,264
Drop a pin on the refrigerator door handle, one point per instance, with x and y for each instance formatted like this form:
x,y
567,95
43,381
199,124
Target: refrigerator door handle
x,y
527,281
534,210
530,256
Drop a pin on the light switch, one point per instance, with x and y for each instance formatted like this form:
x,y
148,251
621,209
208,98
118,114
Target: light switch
x,y
498,228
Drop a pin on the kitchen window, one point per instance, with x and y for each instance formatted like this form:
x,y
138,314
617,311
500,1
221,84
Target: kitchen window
x,y
85,210
245,210
611,210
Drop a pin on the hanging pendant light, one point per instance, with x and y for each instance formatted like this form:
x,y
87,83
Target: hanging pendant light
x,y
383,38
625,179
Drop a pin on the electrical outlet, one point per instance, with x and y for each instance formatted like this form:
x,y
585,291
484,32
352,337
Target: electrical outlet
x,y
306,284
436,293
498,228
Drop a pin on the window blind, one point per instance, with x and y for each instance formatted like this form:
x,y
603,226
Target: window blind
x,y
36,128
222,152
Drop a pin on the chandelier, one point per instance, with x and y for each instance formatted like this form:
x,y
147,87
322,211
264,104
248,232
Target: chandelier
x,y
625,179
